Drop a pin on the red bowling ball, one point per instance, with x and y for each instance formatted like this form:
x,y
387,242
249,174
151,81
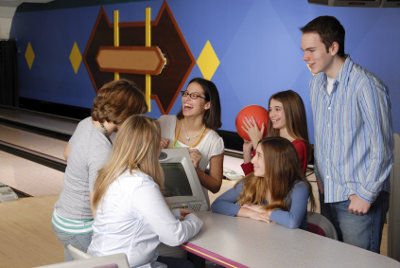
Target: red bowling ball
x,y
260,115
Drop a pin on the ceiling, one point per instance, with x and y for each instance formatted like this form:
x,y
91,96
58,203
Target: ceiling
x,y
15,3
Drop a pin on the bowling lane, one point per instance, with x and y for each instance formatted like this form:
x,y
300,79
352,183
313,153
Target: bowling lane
x,y
32,141
29,177
49,122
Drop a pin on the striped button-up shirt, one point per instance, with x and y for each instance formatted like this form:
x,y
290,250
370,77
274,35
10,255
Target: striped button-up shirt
x,y
353,134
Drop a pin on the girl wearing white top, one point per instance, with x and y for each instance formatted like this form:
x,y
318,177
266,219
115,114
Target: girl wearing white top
x,y
194,127
131,214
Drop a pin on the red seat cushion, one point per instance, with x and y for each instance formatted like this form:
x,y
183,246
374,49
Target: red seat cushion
x,y
313,228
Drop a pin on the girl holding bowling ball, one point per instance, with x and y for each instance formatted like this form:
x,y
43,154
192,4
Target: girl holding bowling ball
x,y
287,119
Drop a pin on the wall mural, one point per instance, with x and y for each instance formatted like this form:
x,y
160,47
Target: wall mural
x,y
249,48
165,34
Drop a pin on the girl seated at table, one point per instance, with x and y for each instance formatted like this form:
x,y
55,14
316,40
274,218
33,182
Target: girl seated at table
x,y
131,214
277,191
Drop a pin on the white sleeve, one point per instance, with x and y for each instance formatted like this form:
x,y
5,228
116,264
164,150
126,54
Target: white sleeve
x,y
176,212
217,147
150,204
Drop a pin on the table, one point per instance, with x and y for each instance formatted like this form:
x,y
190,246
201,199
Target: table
x,y
26,235
241,242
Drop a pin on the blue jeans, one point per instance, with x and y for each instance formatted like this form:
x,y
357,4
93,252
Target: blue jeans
x,y
364,231
81,241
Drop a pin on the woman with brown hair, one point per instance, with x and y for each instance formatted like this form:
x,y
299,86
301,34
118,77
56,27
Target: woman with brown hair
x,y
86,152
287,119
277,190
194,127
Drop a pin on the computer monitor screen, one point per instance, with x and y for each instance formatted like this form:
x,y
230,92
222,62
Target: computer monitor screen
x,y
182,187
177,182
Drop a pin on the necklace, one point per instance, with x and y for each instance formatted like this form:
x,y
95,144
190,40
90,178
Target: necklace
x,y
105,130
179,130
187,137
106,133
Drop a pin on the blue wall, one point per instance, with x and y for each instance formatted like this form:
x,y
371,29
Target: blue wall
x,y
256,41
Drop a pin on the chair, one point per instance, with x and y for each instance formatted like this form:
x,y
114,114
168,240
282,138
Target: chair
x,y
318,224
77,254
111,261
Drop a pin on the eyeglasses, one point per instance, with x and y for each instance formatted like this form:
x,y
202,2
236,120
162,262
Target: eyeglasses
x,y
193,95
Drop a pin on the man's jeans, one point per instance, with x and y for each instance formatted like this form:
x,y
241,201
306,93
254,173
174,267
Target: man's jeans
x,y
81,242
364,231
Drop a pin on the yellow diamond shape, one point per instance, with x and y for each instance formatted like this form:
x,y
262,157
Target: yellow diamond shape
x,y
208,61
29,55
75,57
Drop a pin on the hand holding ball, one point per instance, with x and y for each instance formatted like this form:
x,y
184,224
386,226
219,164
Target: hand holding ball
x,y
260,115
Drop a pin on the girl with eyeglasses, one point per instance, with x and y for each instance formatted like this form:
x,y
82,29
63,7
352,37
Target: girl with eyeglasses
x,y
194,128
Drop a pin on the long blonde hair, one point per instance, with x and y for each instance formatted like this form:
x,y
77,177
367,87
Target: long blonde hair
x,y
282,171
136,146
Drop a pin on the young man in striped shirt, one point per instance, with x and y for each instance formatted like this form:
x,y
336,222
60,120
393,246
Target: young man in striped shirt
x,y
353,136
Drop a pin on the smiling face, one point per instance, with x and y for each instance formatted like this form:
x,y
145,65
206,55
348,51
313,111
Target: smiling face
x,y
277,114
194,107
315,53
259,162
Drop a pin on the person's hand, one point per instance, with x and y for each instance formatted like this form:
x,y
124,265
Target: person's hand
x,y
250,127
254,207
195,156
358,206
260,216
185,212
253,213
164,143
247,148
256,212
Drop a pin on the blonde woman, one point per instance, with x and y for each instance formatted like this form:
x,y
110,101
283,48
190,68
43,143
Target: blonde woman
x,y
277,190
131,214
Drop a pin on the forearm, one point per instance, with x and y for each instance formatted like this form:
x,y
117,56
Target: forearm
x,y
298,209
377,128
211,183
247,153
288,219
225,207
66,151
226,203
149,203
